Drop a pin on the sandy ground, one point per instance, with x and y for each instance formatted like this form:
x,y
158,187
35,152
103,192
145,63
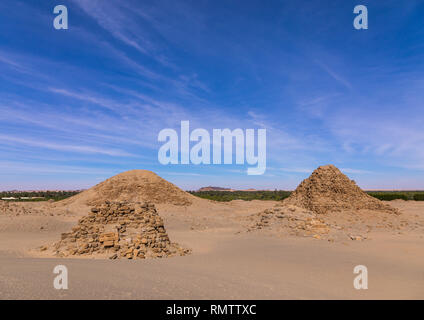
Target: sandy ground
x,y
227,262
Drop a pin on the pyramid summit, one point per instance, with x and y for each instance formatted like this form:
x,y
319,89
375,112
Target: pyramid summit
x,y
328,189
135,186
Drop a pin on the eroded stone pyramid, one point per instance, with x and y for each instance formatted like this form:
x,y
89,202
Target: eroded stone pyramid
x,y
134,185
119,230
328,189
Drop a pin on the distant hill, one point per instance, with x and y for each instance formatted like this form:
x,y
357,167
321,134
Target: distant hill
x,y
210,188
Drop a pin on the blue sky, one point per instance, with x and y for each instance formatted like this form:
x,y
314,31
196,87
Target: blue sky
x,y
80,105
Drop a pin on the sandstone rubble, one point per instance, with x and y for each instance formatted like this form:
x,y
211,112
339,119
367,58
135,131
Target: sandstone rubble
x,y
119,230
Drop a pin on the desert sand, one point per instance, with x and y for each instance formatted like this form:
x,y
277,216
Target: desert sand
x,y
239,250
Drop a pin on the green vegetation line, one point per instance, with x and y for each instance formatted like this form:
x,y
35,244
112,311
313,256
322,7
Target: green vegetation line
x,y
281,195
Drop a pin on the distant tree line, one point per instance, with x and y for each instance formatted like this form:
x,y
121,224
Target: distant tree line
x,y
278,195
393,195
38,195
224,196
242,195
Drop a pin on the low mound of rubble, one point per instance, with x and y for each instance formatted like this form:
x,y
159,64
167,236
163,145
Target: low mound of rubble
x,y
290,220
287,220
8,208
119,230
22,208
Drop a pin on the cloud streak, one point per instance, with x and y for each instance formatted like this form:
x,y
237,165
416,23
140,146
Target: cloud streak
x,y
64,147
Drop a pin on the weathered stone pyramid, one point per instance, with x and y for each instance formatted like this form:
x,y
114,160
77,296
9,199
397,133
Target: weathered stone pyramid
x,y
134,185
119,230
328,189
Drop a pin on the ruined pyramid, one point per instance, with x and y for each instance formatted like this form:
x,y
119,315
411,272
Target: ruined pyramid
x,y
328,190
119,230
134,185
327,205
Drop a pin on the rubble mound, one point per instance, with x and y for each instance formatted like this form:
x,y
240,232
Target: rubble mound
x,y
134,186
328,189
6,207
290,220
18,208
119,230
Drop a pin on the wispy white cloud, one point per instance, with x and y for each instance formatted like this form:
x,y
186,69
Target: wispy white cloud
x,y
63,147
290,170
22,63
89,127
390,141
355,171
115,21
9,62
19,167
335,75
